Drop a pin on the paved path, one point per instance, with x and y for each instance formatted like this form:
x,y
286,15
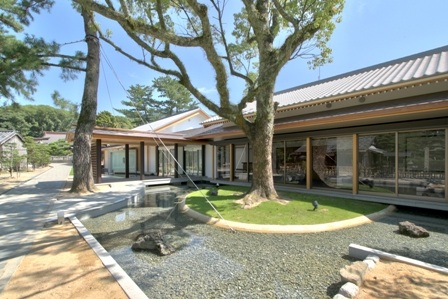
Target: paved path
x,y
25,209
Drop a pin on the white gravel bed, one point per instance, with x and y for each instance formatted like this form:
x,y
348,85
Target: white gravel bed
x,y
217,263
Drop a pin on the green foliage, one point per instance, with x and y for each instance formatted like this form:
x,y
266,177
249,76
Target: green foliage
x,y
178,98
65,104
23,59
298,210
265,36
144,108
59,148
38,154
34,120
10,157
16,14
106,119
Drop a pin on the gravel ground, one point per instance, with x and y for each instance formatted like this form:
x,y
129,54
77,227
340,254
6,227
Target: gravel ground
x,y
216,263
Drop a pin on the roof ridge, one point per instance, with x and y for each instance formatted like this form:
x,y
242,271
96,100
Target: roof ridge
x,y
366,69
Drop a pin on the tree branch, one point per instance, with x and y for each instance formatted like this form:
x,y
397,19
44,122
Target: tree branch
x,y
226,46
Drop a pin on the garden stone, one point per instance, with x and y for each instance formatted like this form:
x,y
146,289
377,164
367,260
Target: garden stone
x,y
373,258
370,264
339,296
410,229
354,272
153,242
349,290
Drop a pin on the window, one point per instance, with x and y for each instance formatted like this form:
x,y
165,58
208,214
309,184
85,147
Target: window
x,y
295,166
376,162
223,162
193,159
421,163
332,162
166,161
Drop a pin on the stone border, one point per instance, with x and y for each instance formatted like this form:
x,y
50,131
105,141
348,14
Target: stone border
x,y
354,273
284,229
361,252
127,284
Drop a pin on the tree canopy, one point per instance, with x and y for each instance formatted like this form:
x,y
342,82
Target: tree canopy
x,y
23,60
108,120
34,120
173,98
266,34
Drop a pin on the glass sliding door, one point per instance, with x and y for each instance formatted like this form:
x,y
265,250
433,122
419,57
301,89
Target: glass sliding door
x,y
223,162
193,159
118,165
242,165
421,163
332,162
376,162
278,161
166,161
295,165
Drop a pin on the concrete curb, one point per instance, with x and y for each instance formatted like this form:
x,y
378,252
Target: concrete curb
x,y
127,284
361,252
285,229
371,257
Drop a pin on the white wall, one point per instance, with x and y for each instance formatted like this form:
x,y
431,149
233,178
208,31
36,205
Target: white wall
x,y
187,124
209,153
151,159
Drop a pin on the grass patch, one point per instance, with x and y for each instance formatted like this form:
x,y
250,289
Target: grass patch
x,y
298,211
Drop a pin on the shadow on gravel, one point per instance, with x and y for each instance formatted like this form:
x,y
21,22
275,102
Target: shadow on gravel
x,y
334,288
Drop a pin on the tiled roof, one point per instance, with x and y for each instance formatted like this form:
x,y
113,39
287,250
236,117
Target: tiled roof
x,y
6,135
404,70
50,137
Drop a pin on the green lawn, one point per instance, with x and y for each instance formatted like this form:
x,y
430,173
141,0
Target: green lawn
x,y
299,210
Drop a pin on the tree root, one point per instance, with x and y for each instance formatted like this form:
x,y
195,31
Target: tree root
x,y
253,199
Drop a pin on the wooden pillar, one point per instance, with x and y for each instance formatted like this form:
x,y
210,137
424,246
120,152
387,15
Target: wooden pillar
x,y
396,164
284,163
184,160
446,164
355,178
99,158
203,160
176,160
142,160
232,161
248,162
309,163
214,162
126,161
157,161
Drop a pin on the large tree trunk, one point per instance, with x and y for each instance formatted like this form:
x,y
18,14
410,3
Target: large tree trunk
x,y
260,137
82,162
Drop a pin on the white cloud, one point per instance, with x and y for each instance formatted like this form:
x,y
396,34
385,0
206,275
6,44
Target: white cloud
x,y
205,90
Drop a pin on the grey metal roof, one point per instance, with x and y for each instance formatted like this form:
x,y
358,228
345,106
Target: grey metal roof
x,y
6,135
404,70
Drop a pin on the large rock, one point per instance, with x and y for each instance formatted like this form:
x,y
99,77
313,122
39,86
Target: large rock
x,y
153,242
354,272
410,229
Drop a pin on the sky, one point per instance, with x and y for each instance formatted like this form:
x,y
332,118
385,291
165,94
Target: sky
x,y
371,32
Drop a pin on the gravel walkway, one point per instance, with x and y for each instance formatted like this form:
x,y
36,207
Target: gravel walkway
x,y
216,263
